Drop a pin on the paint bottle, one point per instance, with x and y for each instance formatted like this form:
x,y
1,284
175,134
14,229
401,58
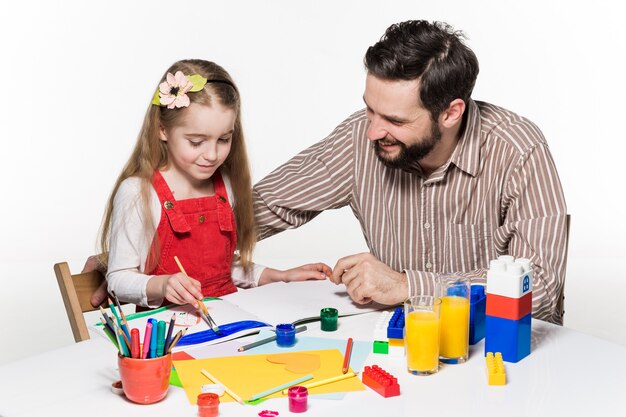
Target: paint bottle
x,y
208,405
285,335
298,399
328,318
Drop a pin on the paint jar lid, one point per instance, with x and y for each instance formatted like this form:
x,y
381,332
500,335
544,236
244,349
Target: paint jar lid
x,y
117,388
213,389
208,399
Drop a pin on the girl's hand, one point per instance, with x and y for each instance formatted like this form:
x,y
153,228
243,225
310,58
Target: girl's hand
x,y
301,273
176,288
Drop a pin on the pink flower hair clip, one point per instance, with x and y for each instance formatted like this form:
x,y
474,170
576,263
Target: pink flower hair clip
x,y
172,93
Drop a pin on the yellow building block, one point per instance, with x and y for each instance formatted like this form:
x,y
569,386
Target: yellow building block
x,y
396,342
495,369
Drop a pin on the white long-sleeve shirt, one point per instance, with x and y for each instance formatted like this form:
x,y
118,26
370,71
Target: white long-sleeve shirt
x,y
130,243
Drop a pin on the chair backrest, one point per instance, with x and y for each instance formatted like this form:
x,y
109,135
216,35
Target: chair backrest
x,y
76,291
560,306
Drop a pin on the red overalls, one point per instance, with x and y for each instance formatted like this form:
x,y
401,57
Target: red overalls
x,y
201,232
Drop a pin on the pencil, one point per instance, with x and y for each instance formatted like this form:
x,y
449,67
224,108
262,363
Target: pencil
x,y
325,381
280,387
346,357
228,390
168,338
108,332
266,340
122,315
176,339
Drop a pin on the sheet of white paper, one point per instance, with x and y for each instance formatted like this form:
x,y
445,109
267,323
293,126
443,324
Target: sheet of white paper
x,y
222,311
283,302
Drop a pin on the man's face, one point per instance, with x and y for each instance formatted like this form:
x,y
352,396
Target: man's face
x,y
400,129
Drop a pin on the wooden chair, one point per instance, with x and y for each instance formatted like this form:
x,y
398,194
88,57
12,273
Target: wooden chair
x,y
76,291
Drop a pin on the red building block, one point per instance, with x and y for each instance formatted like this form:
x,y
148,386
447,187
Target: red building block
x,y
509,308
381,381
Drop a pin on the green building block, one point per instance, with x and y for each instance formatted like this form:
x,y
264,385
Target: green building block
x,y
381,347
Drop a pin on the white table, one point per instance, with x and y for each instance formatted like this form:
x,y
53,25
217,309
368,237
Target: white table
x,y
567,373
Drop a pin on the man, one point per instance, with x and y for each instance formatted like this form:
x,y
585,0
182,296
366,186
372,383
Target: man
x,y
439,182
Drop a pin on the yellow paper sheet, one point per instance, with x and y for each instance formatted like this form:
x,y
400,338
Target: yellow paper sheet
x,y
247,375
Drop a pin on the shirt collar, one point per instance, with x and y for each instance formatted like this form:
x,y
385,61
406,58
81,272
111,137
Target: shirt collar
x,y
466,155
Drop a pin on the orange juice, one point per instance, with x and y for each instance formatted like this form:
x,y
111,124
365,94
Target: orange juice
x,y
454,333
422,341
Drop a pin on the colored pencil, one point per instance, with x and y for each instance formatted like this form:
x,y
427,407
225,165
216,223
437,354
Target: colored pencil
x,y
122,315
280,387
325,381
346,356
266,340
176,339
168,338
228,390
109,333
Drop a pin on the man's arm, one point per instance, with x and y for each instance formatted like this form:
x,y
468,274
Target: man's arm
x,y
317,179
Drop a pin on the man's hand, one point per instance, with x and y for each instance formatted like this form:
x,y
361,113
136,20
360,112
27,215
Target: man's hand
x,y
100,294
368,279
301,273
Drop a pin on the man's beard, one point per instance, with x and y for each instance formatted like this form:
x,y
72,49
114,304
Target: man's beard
x,y
408,155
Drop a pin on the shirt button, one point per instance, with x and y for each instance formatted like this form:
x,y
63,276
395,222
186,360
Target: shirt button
x,y
426,225
428,265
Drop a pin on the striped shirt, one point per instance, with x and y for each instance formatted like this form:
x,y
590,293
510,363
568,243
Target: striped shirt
x,y
499,193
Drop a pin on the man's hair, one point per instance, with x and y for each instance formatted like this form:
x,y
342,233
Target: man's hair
x,y
433,52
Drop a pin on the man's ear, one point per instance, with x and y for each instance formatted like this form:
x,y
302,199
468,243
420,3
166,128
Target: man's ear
x,y
453,114
162,134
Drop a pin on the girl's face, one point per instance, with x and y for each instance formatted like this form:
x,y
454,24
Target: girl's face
x,y
200,142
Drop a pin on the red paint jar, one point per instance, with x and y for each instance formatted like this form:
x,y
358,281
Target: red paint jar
x,y
208,405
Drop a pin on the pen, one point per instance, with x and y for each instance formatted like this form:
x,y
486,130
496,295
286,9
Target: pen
x,y
346,357
153,339
134,343
160,342
266,340
146,341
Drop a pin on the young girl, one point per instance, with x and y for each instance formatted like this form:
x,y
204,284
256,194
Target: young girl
x,y
186,192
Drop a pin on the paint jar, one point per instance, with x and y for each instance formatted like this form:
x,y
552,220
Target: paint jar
x,y
208,404
285,335
298,399
145,381
328,317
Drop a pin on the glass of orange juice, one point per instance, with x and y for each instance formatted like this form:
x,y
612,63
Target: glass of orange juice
x,y
421,334
454,292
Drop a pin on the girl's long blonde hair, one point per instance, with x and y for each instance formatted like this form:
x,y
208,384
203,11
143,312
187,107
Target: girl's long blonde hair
x,y
150,154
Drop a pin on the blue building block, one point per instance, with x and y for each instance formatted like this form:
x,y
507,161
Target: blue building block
x,y
395,328
478,305
511,337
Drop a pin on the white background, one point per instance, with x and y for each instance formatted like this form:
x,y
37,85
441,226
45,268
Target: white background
x,y
76,78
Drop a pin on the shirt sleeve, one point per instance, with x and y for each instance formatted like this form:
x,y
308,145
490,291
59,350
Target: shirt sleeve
x,y
317,179
128,246
243,279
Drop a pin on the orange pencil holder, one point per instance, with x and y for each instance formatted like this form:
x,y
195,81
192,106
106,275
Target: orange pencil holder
x,y
145,381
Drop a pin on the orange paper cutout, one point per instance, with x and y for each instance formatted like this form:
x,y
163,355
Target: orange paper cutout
x,y
299,363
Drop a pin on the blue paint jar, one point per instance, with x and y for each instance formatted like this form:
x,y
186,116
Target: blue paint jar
x,y
285,335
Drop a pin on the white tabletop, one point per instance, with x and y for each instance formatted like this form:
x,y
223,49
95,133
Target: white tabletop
x,y
567,373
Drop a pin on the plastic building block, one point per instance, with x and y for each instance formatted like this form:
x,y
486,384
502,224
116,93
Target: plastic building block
x,y
478,302
495,369
380,331
381,347
509,308
395,328
396,347
381,381
509,279
511,337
